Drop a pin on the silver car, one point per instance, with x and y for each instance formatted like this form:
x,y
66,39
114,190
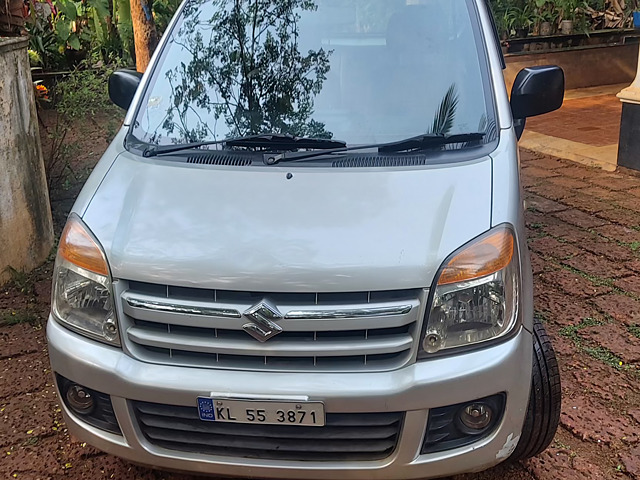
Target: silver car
x,y
303,255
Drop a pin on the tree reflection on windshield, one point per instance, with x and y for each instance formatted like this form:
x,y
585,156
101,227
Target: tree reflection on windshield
x,y
361,71
246,69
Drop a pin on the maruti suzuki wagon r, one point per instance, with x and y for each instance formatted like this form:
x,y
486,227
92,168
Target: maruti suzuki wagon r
x,y
304,255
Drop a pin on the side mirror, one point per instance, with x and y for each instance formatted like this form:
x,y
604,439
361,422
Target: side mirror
x,y
122,87
536,90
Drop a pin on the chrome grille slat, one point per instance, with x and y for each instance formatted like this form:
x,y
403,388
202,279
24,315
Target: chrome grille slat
x,y
345,436
275,347
320,331
184,307
360,312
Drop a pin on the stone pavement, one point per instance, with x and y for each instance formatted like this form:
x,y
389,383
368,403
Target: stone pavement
x,y
585,130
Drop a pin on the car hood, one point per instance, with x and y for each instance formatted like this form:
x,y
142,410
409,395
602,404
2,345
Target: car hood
x,y
286,228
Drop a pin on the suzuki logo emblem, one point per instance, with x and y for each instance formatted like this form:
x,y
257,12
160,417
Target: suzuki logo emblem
x,y
262,326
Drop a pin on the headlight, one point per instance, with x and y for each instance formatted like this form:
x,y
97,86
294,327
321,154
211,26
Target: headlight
x,y
82,298
476,296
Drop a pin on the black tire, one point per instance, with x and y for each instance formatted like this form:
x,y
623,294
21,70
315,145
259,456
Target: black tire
x,y
543,412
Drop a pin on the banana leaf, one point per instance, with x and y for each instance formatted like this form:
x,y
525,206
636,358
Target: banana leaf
x,y
99,26
101,7
124,24
74,42
68,9
63,29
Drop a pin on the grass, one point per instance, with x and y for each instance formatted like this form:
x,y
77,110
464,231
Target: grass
x,y
601,282
31,441
598,352
605,356
20,280
571,331
15,317
634,330
543,316
598,281
559,444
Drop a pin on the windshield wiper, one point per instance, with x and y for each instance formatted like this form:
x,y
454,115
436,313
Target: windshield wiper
x,y
429,141
275,140
420,142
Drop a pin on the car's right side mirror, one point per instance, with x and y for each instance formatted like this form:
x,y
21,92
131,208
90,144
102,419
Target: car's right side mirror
x,y
122,87
536,90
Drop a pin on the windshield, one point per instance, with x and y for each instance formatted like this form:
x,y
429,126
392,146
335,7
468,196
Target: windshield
x,y
360,71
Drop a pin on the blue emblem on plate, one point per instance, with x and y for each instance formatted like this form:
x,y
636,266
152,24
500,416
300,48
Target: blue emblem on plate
x,y
205,409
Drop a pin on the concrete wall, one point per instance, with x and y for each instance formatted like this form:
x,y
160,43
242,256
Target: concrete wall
x,y
583,67
26,233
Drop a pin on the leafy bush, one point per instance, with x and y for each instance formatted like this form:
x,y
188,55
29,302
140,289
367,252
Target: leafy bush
x,y
83,93
43,41
80,95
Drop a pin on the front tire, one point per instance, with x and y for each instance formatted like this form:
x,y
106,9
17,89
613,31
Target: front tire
x,y
543,412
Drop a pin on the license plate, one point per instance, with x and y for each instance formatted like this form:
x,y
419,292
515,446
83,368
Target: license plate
x,y
261,412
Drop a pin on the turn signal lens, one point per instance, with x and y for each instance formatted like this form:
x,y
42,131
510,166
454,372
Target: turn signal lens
x,y
489,254
79,248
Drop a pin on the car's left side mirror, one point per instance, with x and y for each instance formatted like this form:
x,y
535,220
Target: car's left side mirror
x,y
122,87
536,90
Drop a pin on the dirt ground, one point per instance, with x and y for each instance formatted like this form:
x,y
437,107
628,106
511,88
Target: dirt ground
x,y
584,234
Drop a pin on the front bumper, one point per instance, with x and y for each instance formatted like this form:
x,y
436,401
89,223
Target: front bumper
x,y
414,389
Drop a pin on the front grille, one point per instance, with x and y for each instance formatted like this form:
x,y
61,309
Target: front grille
x,y
321,332
345,436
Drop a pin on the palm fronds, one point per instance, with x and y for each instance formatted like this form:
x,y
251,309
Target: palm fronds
x,y
490,129
446,113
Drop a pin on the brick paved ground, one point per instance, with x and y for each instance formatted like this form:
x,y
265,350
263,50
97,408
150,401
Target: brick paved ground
x,y
586,129
584,235
593,120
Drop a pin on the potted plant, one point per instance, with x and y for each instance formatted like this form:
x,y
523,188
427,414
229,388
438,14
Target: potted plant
x,y
523,19
505,21
568,10
546,16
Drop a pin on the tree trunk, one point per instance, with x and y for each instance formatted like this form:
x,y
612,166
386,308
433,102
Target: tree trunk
x,y
11,17
145,34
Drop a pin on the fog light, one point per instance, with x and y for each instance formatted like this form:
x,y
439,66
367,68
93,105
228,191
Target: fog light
x,y
462,424
79,399
88,405
476,416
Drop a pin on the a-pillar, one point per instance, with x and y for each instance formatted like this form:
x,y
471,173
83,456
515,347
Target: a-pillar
x,y
629,147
